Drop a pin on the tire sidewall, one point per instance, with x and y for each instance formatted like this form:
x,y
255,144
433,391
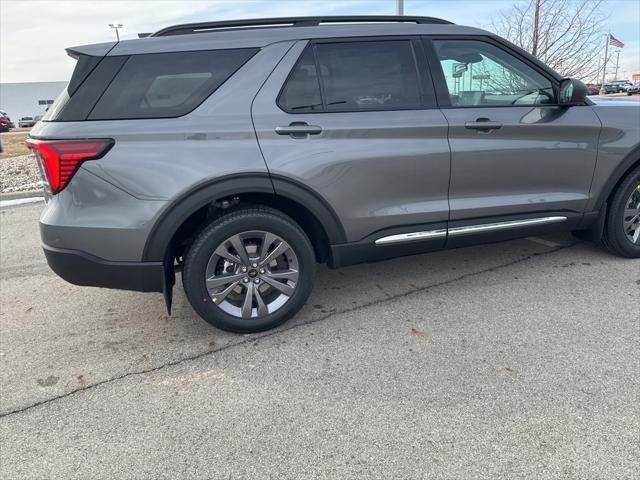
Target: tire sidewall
x,y
616,236
211,237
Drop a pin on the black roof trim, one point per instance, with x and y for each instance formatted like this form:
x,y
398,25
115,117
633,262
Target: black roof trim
x,y
189,28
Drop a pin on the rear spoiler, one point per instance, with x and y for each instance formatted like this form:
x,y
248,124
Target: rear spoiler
x,y
93,50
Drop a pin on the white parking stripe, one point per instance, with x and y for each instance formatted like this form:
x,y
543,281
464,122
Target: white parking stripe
x,y
20,201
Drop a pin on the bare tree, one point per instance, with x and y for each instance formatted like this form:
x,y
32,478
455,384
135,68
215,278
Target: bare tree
x,y
568,35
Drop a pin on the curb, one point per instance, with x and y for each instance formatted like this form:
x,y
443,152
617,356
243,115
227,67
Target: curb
x,y
23,194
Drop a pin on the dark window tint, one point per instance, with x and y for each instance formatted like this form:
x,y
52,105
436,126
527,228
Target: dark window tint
x,y
84,67
368,75
73,107
167,84
302,90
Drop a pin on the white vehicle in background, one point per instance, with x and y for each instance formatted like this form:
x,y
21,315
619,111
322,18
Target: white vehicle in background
x,y
635,88
26,122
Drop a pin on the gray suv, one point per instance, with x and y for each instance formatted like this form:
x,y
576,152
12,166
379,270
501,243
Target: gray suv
x,y
241,154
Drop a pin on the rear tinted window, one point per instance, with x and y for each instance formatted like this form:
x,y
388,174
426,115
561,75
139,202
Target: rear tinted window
x,y
301,93
167,84
362,75
369,75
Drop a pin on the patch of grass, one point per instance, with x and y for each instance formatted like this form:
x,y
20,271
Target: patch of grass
x,y
13,145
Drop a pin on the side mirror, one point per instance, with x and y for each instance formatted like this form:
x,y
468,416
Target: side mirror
x,y
572,92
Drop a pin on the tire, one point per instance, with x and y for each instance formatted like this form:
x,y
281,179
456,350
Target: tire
x,y
617,237
212,262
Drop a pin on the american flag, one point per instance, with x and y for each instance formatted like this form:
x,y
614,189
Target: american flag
x,y
615,42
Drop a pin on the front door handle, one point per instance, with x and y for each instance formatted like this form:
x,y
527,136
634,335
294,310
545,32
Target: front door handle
x,y
483,125
299,130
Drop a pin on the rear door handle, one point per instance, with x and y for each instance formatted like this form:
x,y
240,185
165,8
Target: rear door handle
x,y
299,130
483,124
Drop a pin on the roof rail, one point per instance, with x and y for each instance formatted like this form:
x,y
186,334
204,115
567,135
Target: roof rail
x,y
188,28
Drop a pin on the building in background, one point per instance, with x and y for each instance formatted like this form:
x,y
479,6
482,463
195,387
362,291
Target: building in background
x,y
28,99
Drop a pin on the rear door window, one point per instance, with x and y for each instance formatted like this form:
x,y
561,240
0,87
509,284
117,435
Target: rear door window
x,y
353,76
163,85
369,75
301,92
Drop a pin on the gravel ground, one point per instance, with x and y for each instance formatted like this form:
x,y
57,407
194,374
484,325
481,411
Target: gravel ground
x,y
19,174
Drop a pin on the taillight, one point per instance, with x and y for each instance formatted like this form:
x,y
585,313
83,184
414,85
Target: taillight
x,y
60,159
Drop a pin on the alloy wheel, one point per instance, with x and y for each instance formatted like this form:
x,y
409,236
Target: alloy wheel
x,y
252,274
631,216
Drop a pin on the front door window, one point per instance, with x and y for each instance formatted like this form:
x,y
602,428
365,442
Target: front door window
x,y
480,74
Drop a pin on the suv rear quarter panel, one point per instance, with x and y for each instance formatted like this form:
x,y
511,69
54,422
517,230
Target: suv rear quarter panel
x,y
153,162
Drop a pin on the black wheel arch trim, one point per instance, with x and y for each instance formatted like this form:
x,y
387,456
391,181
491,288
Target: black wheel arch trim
x,y
630,161
197,197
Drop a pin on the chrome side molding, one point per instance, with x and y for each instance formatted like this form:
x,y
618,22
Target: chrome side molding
x,y
410,237
467,230
493,227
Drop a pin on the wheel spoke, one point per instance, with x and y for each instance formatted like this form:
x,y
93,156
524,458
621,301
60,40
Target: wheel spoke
x,y
220,296
247,304
631,217
285,275
268,240
238,244
262,307
219,281
283,287
222,251
279,250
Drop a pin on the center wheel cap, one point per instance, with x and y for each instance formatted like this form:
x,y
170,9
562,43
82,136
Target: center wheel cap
x,y
253,273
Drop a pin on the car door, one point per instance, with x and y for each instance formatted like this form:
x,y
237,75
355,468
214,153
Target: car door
x,y
518,160
355,122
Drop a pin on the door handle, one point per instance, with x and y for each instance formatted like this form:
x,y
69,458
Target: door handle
x,y
299,129
483,125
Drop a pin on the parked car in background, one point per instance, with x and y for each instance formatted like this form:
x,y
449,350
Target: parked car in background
x,y
289,155
6,119
4,124
617,87
609,88
25,122
635,88
593,89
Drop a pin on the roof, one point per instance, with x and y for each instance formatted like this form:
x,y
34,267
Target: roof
x,y
220,36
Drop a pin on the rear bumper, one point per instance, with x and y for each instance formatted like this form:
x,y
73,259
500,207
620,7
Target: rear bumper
x,y
81,268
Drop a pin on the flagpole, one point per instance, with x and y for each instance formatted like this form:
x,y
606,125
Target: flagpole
x,y
606,53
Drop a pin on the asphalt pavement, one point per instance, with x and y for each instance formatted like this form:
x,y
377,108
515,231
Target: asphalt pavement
x,y
511,360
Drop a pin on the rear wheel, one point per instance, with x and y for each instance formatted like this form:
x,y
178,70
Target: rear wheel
x,y
622,230
250,270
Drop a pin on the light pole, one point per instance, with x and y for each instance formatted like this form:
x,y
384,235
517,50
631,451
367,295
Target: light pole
x,y
116,26
400,7
617,63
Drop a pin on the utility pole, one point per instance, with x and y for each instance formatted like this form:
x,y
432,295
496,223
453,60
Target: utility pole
x,y
116,26
536,29
617,63
606,53
400,7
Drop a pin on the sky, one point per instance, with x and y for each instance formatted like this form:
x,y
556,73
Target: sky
x,y
34,33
